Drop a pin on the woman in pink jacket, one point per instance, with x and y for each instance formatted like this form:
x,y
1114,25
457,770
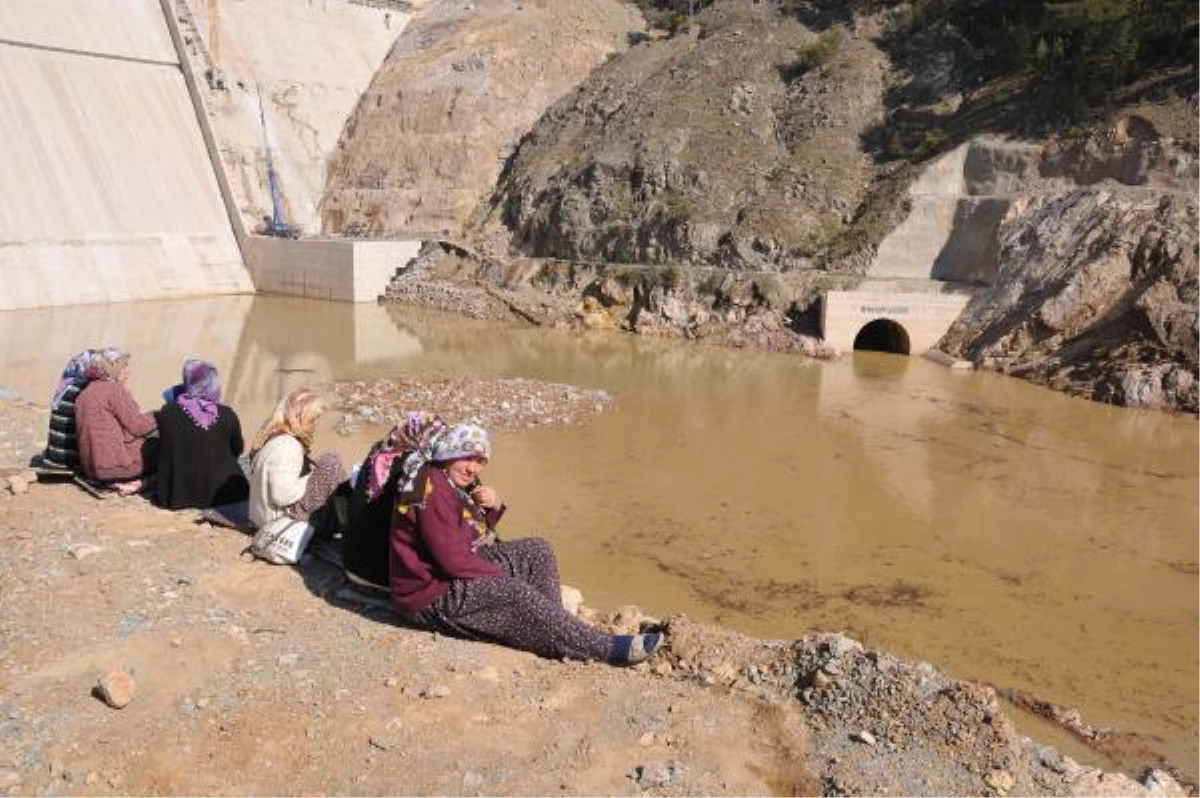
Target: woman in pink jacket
x,y
115,443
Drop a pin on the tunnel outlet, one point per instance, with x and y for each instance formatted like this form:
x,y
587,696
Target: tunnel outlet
x,y
882,335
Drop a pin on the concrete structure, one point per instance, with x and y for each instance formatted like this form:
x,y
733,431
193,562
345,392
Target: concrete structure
x,y
127,176
958,203
925,269
106,192
905,323
308,64
347,270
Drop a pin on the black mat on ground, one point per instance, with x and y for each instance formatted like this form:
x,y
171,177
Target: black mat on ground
x,y
97,489
45,473
231,516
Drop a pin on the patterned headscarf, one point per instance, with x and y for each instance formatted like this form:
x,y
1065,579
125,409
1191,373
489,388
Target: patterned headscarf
x,y
75,372
417,433
296,415
107,364
200,394
462,440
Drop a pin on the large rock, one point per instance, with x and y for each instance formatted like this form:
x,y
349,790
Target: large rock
x,y
461,86
1096,294
728,146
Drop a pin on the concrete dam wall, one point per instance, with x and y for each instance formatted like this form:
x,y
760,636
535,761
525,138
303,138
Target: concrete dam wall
x,y
106,193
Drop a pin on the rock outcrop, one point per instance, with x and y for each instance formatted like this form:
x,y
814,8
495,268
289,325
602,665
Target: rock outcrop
x,y
735,145
1095,290
462,84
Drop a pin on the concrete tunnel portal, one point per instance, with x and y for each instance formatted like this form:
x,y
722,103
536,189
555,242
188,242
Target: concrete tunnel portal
x,y
882,335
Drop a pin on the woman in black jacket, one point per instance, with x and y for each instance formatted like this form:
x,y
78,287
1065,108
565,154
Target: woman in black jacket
x,y
201,440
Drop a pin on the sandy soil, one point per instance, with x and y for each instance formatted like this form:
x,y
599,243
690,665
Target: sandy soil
x,y
247,678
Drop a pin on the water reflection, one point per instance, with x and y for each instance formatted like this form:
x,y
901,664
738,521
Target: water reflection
x,y
998,529
36,344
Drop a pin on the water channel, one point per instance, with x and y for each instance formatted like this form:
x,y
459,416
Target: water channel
x,y
999,530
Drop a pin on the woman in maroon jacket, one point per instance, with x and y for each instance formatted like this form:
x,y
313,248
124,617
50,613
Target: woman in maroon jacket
x,y
114,434
450,573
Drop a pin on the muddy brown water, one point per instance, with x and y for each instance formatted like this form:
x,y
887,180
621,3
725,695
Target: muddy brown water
x,y
996,529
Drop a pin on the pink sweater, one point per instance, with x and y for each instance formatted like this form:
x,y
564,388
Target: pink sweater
x,y
111,427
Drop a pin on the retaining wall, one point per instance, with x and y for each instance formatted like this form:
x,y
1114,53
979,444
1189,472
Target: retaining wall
x,y
346,270
107,193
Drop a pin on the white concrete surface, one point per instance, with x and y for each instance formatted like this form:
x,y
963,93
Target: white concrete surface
x,y
346,270
911,249
925,317
311,60
107,193
122,28
957,204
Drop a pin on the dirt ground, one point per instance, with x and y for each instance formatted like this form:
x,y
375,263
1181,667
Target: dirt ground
x,y
251,679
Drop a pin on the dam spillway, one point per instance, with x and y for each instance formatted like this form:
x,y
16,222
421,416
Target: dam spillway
x,y
107,193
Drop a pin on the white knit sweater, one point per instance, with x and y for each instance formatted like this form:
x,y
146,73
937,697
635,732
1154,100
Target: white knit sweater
x,y
275,481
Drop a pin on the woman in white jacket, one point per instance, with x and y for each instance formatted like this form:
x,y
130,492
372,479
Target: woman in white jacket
x,y
286,482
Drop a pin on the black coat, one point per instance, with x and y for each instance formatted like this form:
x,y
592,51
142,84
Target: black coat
x,y
366,546
199,467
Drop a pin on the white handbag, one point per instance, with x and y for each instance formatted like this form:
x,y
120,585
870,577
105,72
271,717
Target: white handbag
x,y
282,541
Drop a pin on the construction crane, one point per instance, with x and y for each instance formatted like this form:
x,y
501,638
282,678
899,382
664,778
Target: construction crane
x,y
275,226
214,75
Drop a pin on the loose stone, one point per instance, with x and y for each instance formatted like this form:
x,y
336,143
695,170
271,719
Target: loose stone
x,y
999,780
653,774
116,688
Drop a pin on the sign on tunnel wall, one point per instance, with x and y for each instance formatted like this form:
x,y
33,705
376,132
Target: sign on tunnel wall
x,y
884,310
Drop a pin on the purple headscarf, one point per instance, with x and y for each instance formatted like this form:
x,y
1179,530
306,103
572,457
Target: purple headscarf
x,y
200,394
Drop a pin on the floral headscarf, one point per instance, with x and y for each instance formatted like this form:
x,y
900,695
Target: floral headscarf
x,y
200,393
75,372
107,364
417,433
462,440
295,415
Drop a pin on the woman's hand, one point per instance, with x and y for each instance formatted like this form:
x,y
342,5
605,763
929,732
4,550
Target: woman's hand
x,y
486,497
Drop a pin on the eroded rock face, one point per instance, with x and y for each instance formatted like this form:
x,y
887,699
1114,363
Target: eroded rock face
x,y
723,146
1131,153
1096,294
463,83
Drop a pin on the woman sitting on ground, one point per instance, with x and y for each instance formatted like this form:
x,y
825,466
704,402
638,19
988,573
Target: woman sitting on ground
x,y
115,442
200,442
285,481
450,573
62,441
365,548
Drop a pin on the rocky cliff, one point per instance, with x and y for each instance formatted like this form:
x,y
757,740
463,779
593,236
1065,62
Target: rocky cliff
x,y
463,82
735,144
1095,290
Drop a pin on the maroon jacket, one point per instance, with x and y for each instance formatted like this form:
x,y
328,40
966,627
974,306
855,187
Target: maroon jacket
x,y
433,543
111,427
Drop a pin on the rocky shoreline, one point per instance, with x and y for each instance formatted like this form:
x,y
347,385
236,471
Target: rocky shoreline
x,y
249,678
